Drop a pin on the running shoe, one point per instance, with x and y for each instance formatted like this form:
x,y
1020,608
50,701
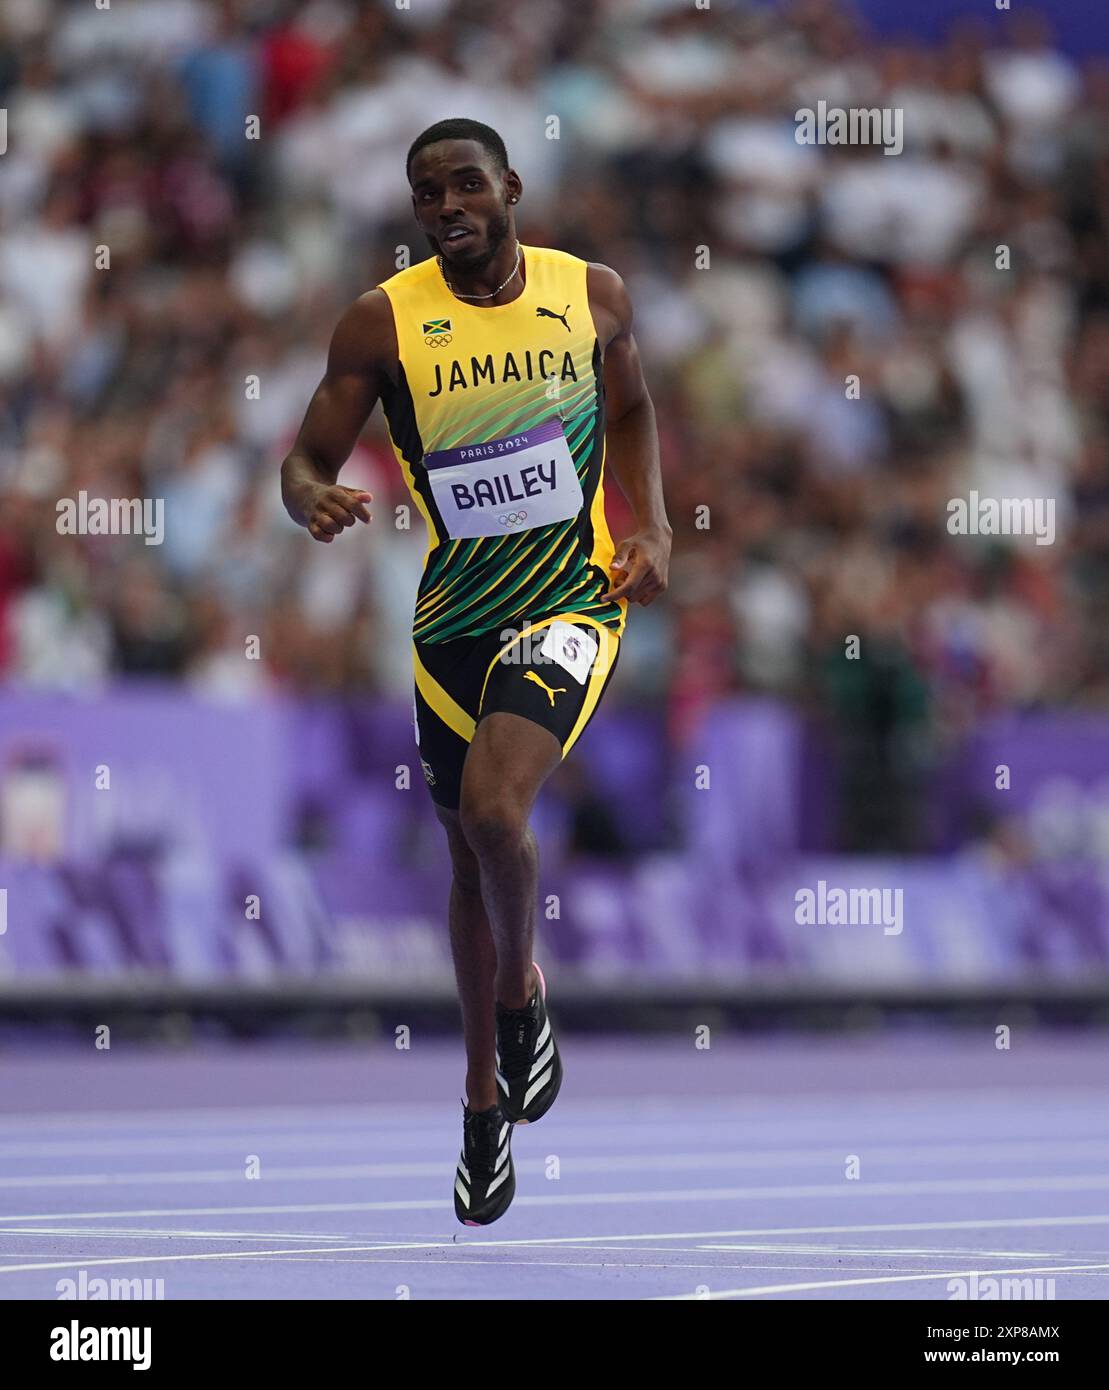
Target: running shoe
x,y
485,1182
529,1069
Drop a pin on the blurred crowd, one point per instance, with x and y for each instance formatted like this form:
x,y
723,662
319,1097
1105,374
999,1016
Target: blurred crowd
x,y
192,192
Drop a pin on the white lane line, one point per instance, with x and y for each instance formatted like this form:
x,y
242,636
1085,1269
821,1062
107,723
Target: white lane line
x,y
298,1256
184,1177
434,1271
416,1243
1074,1182
582,1243
854,1190
974,1224
884,1279
89,1261
569,1244
233,1140
701,1161
745,1157
149,1233
147,1134
634,1144
292,1116
913,1252
389,1113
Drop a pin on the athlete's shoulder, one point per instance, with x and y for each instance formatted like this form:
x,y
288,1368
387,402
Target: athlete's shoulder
x,y
372,319
553,256
605,287
605,283
412,277
608,293
365,337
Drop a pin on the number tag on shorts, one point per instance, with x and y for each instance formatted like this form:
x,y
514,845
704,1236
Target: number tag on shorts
x,y
572,648
507,485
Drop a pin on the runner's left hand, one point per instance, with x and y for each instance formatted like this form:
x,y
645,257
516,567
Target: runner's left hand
x,y
640,567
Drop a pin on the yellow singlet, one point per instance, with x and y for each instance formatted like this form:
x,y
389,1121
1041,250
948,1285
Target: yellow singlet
x,y
498,427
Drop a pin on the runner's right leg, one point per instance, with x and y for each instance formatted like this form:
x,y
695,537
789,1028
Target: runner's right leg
x,y
475,965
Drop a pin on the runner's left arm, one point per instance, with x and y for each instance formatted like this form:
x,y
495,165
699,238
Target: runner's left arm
x,y
631,448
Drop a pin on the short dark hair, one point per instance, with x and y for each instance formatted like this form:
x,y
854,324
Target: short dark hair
x,y
459,128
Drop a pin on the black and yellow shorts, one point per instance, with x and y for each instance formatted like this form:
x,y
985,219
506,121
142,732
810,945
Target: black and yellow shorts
x,y
552,672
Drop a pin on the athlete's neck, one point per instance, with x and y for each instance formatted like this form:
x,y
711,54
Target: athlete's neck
x,y
484,282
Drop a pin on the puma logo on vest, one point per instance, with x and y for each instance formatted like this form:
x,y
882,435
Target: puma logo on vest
x,y
542,313
531,676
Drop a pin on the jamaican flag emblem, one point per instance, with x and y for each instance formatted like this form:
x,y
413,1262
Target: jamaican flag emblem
x,y
437,332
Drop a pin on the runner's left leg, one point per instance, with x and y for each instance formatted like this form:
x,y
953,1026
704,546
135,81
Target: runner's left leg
x,y
475,965
509,759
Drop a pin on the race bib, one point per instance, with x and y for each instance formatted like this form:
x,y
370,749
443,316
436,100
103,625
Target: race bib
x,y
572,647
507,485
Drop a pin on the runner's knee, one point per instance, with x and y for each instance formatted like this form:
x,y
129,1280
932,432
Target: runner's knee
x,y
492,823
464,862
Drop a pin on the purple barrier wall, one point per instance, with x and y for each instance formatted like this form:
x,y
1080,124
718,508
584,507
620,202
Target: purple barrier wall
x,y
137,828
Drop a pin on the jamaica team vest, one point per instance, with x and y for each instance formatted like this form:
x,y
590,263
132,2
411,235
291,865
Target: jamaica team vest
x,y
498,425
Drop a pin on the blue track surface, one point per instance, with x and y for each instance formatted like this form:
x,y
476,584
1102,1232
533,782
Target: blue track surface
x,y
663,1171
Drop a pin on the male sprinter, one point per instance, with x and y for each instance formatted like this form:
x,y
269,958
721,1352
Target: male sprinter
x,y
508,375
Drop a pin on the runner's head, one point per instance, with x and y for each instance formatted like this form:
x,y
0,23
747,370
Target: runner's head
x,y
461,184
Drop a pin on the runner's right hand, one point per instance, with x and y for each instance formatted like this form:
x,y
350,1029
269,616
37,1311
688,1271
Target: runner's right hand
x,y
330,509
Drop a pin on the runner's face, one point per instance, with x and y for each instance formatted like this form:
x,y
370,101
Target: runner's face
x,y
460,201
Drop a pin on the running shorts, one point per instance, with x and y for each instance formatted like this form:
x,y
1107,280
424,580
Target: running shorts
x,y
552,672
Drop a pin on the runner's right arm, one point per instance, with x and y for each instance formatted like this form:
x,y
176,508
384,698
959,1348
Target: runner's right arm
x,y
362,348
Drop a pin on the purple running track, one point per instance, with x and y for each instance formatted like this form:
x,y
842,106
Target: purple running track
x,y
663,1171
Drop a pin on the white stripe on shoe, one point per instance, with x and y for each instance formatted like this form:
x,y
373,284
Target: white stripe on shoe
x,y
497,1180
537,1087
542,1062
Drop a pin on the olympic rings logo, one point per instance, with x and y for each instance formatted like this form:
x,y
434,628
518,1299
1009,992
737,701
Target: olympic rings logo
x,y
440,340
513,518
